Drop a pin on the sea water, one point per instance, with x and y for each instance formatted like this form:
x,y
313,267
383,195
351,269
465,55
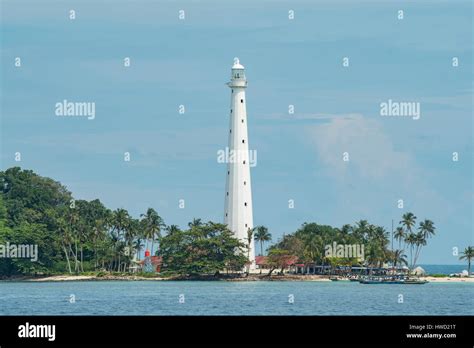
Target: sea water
x,y
233,298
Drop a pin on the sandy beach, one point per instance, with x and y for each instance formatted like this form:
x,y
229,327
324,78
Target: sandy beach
x,y
450,279
287,277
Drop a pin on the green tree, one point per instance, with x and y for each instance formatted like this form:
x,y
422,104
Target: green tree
x,y
202,249
398,258
399,235
408,221
278,258
468,254
153,225
250,233
411,240
262,235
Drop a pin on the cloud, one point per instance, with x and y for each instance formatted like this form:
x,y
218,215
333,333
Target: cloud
x,y
371,151
377,174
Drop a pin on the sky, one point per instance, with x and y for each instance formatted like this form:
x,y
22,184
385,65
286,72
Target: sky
x,y
295,62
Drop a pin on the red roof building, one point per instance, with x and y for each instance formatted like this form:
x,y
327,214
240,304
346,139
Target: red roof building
x,y
156,261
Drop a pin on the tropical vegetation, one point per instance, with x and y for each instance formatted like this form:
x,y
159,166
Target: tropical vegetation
x,y
78,236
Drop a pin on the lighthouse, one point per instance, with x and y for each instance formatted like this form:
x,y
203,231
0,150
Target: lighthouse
x,y
238,215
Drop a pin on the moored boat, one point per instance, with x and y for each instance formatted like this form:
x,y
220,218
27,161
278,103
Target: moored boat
x,y
391,280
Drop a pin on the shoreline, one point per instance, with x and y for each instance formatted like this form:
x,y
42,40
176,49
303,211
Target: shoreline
x,y
251,277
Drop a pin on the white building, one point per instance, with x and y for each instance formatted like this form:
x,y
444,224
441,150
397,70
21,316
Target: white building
x,y
238,197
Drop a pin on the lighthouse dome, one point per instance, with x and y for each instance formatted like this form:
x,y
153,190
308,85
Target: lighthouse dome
x,y
237,64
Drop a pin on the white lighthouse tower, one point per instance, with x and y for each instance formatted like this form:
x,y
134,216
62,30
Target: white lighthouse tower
x,y
238,196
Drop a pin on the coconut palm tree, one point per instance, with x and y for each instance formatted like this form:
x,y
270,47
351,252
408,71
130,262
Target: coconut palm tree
x,y
346,229
400,236
153,225
468,254
262,235
427,228
420,241
172,229
399,258
119,224
314,249
361,230
137,246
411,240
132,232
250,232
195,223
408,220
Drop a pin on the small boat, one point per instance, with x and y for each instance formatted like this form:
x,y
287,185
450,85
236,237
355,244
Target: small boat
x,y
415,281
391,280
338,278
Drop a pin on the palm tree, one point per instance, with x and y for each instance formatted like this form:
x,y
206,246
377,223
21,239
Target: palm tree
x,y
250,233
377,242
411,240
137,246
425,231
262,235
172,229
153,225
346,229
399,258
120,223
73,219
420,241
427,228
468,254
66,239
195,223
361,230
132,232
408,220
399,235
373,255
314,249
98,233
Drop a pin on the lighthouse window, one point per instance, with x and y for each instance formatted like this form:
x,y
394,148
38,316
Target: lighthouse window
x,y
246,225
244,162
225,214
227,193
245,203
231,130
243,141
242,120
230,110
232,90
245,182
241,100
228,172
